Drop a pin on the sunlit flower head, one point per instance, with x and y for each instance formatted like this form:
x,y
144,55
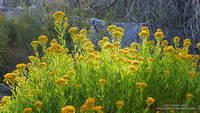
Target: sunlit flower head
x,y
159,35
192,74
58,15
164,43
141,84
187,42
27,110
34,43
102,81
111,28
90,101
120,103
189,96
38,104
68,109
42,39
144,34
73,29
150,100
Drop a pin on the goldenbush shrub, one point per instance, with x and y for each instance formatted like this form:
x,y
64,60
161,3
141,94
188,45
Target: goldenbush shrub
x,y
111,80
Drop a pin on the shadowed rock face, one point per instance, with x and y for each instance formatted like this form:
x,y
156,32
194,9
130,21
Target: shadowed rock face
x,y
8,10
4,90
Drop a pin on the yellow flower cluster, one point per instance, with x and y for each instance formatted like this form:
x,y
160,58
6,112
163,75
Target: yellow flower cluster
x,y
141,85
189,96
187,42
102,82
28,110
150,101
192,74
116,32
58,15
42,39
120,103
56,48
38,104
159,35
90,105
68,109
10,77
198,45
176,39
144,33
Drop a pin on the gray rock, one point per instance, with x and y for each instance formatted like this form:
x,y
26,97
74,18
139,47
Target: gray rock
x,y
10,12
4,90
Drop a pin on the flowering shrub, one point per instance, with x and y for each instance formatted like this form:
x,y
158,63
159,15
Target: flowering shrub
x,y
111,80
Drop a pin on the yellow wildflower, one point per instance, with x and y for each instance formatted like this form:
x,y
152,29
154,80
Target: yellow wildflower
x,y
102,81
189,96
5,99
116,44
88,44
144,29
168,49
108,45
150,60
34,43
10,77
53,42
105,39
193,65
77,85
84,108
135,62
79,37
61,81
73,29
31,58
118,34
65,25
176,39
83,31
68,109
144,34
187,42
150,100
80,58
90,101
165,43
119,29
120,103
42,39
38,104
133,44
58,15
141,58
192,74
111,28
141,84
133,68
97,108
21,66
27,110
42,64
198,45
159,35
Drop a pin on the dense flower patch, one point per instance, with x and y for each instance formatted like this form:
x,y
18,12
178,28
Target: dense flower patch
x,y
109,80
